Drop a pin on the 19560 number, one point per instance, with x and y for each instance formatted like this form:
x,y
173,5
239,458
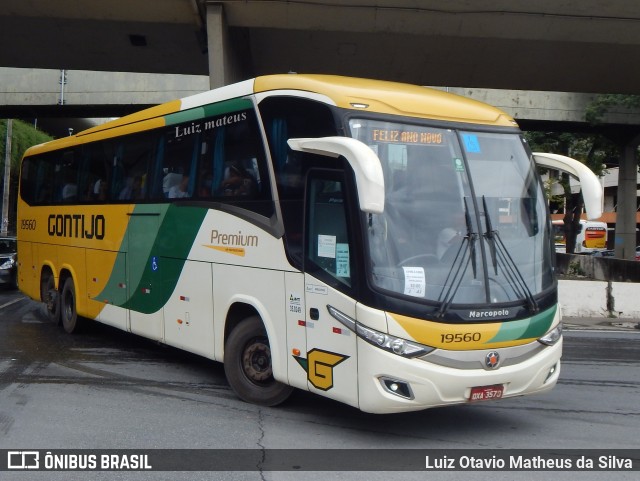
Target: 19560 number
x,y
460,337
28,224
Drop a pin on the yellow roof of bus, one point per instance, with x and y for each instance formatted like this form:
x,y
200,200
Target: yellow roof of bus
x,y
346,92
389,97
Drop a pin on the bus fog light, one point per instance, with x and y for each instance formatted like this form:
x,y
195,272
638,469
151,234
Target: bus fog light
x,y
397,387
551,372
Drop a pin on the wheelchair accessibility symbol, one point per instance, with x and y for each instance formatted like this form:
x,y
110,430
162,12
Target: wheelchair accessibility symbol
x,y
154,263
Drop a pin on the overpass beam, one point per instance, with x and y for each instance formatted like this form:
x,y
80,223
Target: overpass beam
x,y
625,242
223,67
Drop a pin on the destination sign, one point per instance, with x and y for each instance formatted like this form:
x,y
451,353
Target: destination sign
x,y
407,136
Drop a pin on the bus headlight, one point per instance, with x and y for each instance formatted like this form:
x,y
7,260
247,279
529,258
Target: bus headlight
x,y
393,344
553,336
396,345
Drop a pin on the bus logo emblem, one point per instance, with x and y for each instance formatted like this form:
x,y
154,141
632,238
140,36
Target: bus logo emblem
x,y
492,359
319,365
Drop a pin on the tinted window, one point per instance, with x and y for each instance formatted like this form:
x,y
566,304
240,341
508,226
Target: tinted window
x,y
219,158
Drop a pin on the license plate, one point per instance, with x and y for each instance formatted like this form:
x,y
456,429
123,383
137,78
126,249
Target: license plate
x,y
486,393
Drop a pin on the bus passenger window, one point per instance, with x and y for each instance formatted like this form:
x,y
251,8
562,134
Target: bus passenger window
x,y
237,182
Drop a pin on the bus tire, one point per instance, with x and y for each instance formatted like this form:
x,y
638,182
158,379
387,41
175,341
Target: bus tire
x,y
247,364
50,296
68,312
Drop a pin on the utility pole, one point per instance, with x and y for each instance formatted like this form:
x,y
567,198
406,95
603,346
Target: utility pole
x,y
7,177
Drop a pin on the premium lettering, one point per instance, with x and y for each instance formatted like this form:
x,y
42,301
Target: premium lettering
x,y
78,226
236,240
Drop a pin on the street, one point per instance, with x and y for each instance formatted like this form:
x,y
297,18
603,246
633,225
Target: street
x,y
107,389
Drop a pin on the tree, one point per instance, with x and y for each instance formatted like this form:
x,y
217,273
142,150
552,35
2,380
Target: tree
x,y
602,103
24,136
594,150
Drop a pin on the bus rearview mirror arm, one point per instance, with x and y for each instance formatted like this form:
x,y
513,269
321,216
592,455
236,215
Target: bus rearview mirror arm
x,y
591,187
363,161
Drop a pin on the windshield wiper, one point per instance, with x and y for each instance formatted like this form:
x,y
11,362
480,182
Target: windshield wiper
x,y
472,236
500,256
465,255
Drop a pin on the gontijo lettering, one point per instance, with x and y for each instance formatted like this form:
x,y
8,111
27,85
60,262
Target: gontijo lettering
x,y
77,225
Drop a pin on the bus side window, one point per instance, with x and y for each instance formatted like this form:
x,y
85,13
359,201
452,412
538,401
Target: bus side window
x,y
328,246
284,118
173,174
98,158
135,154
67,177
232,166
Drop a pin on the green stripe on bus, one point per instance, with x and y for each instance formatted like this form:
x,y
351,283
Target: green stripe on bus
x,y
152,255
528,328
184,116
540,323
229,106
211,110
163,263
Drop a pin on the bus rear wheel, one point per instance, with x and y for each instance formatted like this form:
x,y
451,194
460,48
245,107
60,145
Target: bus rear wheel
x,y
50,296
247,364
68,312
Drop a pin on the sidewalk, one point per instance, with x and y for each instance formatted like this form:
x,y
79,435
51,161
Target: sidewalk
x,y
604,323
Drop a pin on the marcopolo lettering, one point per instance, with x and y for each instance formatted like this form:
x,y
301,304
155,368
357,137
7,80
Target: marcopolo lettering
x,y
495,314
77,225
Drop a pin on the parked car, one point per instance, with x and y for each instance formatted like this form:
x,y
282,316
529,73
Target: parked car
x,y
604,253
611,253
8,262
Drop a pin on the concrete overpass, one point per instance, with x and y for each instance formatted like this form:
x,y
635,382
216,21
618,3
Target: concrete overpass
x,y
572,46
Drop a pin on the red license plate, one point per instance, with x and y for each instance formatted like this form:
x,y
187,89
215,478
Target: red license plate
x,y
486,393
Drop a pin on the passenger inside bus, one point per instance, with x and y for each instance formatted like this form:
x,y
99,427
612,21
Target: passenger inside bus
x,y
132,190
237,182
204,187
170,180
180,190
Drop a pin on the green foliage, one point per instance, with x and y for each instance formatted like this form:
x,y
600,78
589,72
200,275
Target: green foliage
x,y
594,150
575,270
602,103
24,136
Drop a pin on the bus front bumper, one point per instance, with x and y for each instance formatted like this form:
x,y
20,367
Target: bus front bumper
x,y
389,383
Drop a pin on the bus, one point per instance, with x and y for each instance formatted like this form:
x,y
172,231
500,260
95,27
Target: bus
x,y
284,226
591,237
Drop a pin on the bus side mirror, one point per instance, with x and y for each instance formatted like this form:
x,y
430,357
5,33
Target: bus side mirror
x,y
591,187
363,161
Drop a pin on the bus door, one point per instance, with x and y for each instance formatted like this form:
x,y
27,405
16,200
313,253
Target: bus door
x,y
144,281
331,360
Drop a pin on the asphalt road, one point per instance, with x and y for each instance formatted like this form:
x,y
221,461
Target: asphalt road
x,y
106,389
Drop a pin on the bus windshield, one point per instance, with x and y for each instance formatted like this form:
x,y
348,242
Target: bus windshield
x,y
464,220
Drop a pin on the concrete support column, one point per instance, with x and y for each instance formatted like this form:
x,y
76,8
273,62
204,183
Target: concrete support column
x,y
221,60
625,242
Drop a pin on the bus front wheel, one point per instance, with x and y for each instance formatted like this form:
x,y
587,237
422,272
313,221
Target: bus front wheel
x,y
68,312
247,364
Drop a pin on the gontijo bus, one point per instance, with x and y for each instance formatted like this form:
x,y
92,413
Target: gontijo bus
x,y
338,235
